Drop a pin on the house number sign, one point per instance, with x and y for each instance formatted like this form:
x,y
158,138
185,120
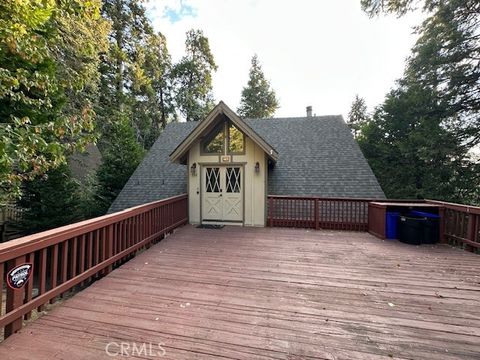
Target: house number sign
x,y
19,275
226,158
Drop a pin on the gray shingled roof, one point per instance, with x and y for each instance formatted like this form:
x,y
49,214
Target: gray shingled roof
x,y
317,156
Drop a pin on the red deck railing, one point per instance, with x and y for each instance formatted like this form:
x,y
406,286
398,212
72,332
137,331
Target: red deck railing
x,y
461,225
318,213
77,254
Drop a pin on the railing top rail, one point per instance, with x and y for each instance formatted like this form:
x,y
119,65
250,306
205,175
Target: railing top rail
x,y
293,197
459,207
30,243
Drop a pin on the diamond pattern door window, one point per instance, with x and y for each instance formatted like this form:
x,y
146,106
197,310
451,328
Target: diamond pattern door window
x,y
233,180
212,179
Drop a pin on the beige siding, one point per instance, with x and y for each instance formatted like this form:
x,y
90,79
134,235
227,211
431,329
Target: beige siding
x,y
254,183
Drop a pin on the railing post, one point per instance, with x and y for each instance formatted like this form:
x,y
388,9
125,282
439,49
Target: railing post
x,y
109,247
441,235
317,217
14,299
471,229
270,212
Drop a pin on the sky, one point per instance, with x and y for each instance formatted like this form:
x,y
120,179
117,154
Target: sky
x,y
314,52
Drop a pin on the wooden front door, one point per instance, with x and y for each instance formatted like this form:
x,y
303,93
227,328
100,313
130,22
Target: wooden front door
x,y
222,194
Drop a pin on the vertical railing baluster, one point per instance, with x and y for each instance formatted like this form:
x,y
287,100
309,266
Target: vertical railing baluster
x,y
74,256
82,256
29,285
64,263
2,275
42,273
104,255
97,244
109,247
54,269
89,251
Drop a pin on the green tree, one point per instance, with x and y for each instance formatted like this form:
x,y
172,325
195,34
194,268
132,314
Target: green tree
x,y
428,125
446,56
120,160
258,99
136,97
49,51
358,116
151,87
192,77
50,201
412,154
120,66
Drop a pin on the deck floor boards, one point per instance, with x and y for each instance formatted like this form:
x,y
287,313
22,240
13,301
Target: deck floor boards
x,y
270,293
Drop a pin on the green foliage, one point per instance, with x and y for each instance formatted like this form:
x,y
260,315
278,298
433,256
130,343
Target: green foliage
x,y
136,99
192,77
446,59
446,56
120,160
90,203
73,70
358,116
48,57
399,7
258,99
413,155
151,86
420,139
50,201
135,72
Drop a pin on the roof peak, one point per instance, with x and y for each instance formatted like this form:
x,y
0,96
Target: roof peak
x,y
220,112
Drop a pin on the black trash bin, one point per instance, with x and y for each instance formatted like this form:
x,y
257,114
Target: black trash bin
x,y
432,226
411,229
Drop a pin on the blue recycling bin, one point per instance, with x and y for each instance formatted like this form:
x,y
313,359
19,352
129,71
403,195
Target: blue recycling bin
x,y
391,230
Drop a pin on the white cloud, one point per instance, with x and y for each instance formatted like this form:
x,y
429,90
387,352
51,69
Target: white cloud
x,y
315,52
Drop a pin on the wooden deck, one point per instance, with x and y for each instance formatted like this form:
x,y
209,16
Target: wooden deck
x,y
269,293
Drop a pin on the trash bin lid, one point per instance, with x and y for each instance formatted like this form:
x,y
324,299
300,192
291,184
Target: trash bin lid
x,y
425,214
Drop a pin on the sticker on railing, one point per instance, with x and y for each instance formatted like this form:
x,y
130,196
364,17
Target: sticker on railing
x,y
19,275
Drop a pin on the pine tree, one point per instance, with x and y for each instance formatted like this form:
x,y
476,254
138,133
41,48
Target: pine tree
x,y
120,160
419,140
136,101
446,56
358,116
412,154
193,77
153,107
129,31
258,99
50,201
